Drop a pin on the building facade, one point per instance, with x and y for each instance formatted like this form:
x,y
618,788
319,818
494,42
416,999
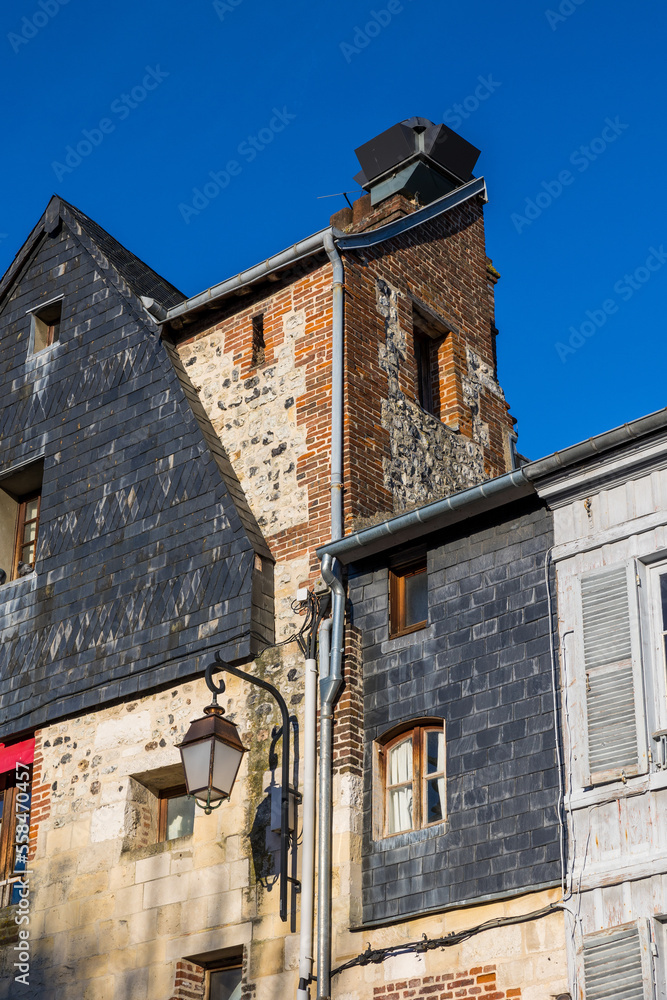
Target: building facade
x,y
167,472
610,545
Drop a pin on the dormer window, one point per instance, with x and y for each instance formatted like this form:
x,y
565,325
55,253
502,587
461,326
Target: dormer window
x,y
46,326
20,501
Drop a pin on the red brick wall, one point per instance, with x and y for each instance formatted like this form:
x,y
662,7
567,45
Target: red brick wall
x,y
443,266
188,982
479,982
40,805
348,750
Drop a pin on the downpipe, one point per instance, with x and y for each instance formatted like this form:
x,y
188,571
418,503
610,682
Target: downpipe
x,y
329,689
308,828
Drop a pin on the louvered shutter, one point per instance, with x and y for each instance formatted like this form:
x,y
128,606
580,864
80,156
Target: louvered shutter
x,y
613,749
615,965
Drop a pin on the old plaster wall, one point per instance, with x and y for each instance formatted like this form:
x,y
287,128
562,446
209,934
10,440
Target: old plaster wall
x,y
525,960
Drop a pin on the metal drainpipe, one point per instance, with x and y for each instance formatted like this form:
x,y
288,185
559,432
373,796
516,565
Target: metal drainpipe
x,y
329,688
336,389
331,682
306,954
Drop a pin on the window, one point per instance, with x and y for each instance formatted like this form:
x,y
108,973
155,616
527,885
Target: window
x,y
428,338
46,326
408,598
413,776
176,813
423,351
258,345
14,826
617,963
224,983
660,953
658,721
20,502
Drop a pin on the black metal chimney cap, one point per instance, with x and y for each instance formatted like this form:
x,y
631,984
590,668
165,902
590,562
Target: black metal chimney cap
x,y
416,137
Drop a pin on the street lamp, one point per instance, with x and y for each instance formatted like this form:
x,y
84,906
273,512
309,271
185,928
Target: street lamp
x,y
212,752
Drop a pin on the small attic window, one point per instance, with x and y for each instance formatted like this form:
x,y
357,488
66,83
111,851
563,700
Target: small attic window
x,y
46,326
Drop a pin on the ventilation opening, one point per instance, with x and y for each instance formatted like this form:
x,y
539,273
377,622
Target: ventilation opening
x,y
46,326
258,345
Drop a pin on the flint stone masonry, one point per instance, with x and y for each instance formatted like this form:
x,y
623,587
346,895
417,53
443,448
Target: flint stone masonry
x,y
146,545
482,664
255,415
428,459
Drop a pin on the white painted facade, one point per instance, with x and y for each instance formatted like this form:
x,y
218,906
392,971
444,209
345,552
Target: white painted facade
x,y
609,553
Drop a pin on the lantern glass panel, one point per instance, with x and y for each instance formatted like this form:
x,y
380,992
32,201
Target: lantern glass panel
x,y
226,762
196,763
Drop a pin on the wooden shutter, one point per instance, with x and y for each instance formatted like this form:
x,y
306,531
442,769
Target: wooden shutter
x,y
613,749
616,965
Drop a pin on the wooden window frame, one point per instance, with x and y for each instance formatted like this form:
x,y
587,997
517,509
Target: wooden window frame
x,y
21,522
417,733
51,324
8,793
163,798
225,966
397,578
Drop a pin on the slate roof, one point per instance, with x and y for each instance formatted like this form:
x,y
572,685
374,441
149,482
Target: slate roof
x,y
141,278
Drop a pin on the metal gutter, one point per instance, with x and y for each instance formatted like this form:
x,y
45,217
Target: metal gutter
x,y
416,523
488,495
316,243
614,438
422,215
304,248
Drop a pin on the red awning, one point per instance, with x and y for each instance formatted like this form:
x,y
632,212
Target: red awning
x,y
18,753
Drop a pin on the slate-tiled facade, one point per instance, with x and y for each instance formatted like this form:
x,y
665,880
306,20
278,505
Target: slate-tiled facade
x,y
483,665
146,554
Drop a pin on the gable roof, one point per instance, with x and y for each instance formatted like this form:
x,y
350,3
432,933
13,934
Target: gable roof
x,y
141,278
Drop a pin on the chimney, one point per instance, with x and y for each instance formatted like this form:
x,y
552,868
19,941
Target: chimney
x,y
404,168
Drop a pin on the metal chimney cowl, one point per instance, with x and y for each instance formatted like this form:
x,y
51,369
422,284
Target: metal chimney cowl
x,y
416,158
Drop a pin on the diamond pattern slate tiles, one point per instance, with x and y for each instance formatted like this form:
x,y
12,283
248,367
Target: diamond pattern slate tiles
x,y
141,540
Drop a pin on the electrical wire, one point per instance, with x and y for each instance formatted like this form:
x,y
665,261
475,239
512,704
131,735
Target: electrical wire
x,y
377,955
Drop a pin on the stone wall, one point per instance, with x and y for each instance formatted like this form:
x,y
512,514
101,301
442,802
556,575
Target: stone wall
x,y
114,911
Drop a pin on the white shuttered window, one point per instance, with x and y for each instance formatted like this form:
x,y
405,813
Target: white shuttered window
x,y
617,964
614,692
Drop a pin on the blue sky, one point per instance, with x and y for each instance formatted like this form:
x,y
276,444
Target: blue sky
x,y
169,93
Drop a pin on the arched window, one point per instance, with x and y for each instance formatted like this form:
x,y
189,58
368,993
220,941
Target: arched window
x,y
412,774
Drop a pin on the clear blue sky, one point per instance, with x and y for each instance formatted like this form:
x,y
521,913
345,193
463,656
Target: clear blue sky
x,y
218,71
